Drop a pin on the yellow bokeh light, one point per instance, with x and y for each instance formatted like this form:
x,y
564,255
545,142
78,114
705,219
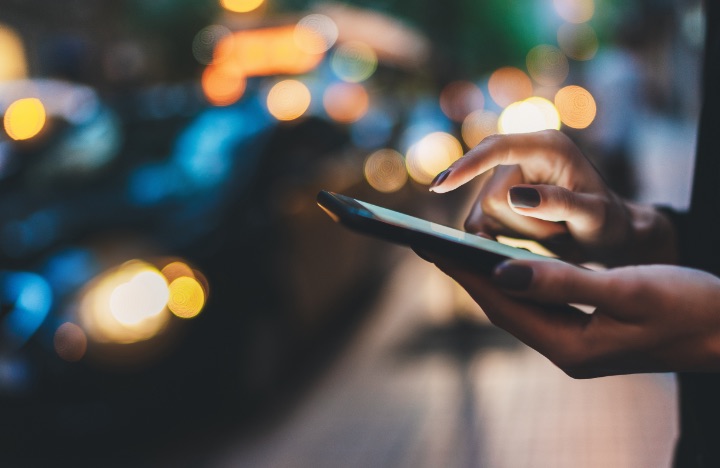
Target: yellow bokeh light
x,y
288,100
547,65
385,171
576,106
531,115
575,11
479,125
346,102
241,6
24,118
354,61
578,41
431,155
316,33
70,342
13,65
459,98
187,297
508,85
222,87
126,304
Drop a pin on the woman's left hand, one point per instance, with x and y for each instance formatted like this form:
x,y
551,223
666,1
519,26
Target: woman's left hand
x,y
652,318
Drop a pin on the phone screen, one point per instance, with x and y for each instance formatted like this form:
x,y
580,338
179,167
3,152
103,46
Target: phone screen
x,y
481,254
455,235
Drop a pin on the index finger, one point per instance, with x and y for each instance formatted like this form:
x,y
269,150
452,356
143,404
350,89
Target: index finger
x,y
504,150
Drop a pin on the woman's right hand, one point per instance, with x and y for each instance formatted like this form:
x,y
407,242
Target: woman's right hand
x,y
543,188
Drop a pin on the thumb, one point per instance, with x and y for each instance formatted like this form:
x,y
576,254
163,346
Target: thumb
x,y
582,212
553,282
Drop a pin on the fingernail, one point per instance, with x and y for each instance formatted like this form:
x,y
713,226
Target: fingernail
x,y
512,276
524,197
439,179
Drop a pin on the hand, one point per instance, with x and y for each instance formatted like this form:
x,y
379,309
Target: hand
x,y
544,188
653,318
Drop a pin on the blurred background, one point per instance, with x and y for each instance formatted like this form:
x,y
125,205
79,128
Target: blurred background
x,y
168,287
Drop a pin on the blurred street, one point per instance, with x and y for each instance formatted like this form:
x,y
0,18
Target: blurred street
x,y
419,387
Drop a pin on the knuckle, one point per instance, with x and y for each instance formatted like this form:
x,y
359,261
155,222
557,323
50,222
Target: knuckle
x,y
493,139
552,135
564,202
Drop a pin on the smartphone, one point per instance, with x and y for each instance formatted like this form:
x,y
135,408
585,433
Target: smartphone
x,y
481,254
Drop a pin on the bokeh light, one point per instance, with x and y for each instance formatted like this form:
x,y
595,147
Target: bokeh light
x,y
385,171
316,33
175,270
531,115
578,41
509,84
575,11
288,100
264,52
354,61
459,98
143,296
220,87
24,118
126,304
188,289
479,125
13,64
70,342
241,6
431,155
205,41
547,65
346,102
26,300
576,106
187,297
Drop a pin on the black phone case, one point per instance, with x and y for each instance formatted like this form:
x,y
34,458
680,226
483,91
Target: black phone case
x,y
355,216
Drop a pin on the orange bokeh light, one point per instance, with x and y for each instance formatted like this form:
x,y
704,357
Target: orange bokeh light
x,y
263,52
288,100
479,125
576,106
508,85
346,102
221,87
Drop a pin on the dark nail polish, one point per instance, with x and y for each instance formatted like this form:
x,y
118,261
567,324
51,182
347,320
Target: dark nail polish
x,y
513,277
440,178
524,197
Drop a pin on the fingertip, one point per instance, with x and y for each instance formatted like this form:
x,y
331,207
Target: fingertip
x,y
438,180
